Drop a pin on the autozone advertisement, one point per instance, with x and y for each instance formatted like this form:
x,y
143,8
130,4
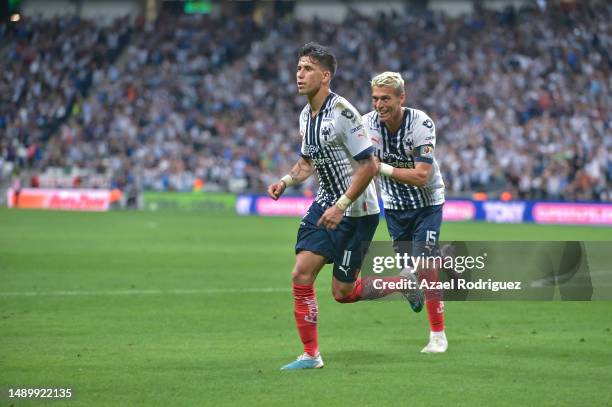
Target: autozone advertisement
x,y
97,200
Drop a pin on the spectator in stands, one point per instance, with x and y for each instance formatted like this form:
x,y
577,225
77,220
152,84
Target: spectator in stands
x,y
521,98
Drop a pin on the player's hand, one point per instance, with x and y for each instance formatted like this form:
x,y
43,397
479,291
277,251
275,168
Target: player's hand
x,y
377,161
331,218
276,190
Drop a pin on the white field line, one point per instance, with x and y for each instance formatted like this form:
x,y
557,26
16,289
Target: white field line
x,y
203,291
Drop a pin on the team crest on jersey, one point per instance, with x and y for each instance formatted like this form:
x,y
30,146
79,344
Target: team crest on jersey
x,y
408,145
327,131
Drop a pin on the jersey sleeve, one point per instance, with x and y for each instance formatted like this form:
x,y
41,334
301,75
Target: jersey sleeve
x,y
303,149
353,133
424,139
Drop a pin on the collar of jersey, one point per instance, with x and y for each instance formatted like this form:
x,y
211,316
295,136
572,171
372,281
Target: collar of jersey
x,y
323,106
402,123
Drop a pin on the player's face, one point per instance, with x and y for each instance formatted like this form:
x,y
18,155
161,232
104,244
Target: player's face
x,y
310,76
387,103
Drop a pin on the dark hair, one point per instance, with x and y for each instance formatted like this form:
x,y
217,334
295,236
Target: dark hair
x,y
321,54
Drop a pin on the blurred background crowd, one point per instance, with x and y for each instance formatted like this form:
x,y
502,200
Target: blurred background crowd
x,y
521,97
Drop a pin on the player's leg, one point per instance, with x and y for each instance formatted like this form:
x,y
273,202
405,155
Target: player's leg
x,y
425,239
350,241
306,310
307,267
372,288
346,292
312,253
347,287
400,225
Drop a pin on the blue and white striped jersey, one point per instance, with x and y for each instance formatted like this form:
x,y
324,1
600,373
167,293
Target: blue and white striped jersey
x,y
334,140
414,141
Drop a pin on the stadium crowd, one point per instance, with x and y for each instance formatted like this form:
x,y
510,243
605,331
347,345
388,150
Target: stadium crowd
x,y
46,66
521,98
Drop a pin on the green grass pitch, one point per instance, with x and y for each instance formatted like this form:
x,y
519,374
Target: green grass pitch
x,y
178,308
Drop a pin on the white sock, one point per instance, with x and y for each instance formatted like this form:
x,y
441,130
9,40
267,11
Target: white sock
x,y
439,334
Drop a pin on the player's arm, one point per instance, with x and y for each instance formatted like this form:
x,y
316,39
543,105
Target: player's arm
x,y
298,174
364,173
423,153
417,176
359,145
357,142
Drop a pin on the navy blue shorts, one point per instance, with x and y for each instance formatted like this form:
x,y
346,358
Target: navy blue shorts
x,y
346,246
418,228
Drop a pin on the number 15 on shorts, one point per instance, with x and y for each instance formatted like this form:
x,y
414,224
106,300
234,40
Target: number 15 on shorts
x,y
432,238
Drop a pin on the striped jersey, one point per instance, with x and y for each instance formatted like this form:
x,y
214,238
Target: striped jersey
x,y
414,141
334,140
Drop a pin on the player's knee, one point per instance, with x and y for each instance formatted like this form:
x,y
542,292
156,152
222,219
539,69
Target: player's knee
x,y
342,295
344,299
303,275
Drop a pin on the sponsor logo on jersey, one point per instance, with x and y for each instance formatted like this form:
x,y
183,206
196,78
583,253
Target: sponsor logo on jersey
x,y
356,129
322,161
348,114
397,160
312,150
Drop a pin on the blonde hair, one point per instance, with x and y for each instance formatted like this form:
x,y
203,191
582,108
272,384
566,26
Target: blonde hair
x,y
389,79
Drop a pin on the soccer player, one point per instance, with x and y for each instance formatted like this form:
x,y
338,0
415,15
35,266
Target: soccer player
x,y
411,183
345,211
